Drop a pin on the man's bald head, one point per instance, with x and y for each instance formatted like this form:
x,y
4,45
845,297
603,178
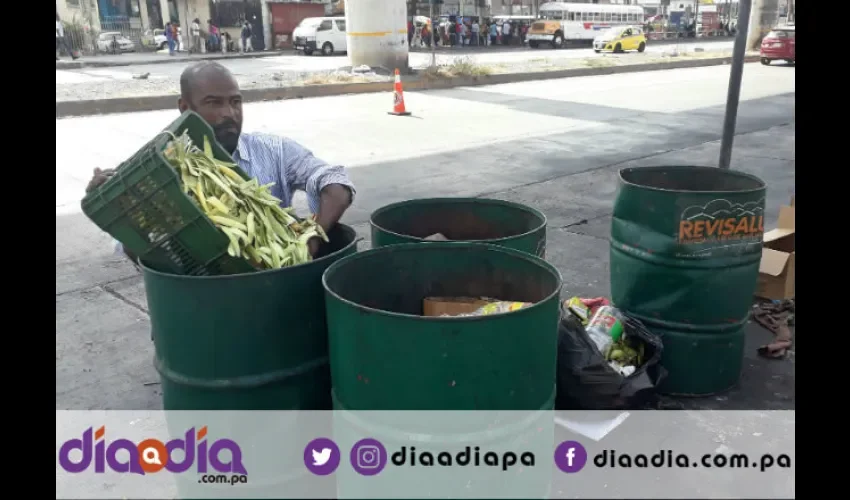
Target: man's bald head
x,y
200,71
209,89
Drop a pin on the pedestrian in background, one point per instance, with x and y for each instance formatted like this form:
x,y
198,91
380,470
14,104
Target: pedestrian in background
x,y
476,32
506,33
494,33
226,42
246,37
195,32
61,41
169,38
175,28
213,36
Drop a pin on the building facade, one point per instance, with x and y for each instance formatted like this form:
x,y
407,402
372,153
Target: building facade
x,y
135,18
81,12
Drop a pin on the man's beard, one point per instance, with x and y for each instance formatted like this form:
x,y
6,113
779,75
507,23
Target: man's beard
x,y
227,134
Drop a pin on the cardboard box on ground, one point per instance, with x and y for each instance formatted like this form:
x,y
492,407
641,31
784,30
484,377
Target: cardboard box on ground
x,y
776,271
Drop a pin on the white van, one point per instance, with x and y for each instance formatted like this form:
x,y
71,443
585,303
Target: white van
x,y
320,33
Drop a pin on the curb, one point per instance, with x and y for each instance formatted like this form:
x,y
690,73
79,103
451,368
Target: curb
x,y
155,103
61,65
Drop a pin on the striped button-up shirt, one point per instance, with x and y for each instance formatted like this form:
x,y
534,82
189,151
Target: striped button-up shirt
x,y
289,165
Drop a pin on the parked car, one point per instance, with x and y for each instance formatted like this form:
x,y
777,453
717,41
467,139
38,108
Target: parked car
x,y
113,41
779,44
620,39
155,38
320,33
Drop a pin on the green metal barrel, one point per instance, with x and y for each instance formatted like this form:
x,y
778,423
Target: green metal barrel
x,y
386,356
685,252
495,222
255,341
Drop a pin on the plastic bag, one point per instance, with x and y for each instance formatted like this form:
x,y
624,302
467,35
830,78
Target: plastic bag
x,y
587,382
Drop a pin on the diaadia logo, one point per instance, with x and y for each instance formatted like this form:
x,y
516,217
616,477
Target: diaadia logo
x,y
149,456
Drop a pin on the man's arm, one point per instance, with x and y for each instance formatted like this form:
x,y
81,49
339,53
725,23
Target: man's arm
x,y
335,200
329,190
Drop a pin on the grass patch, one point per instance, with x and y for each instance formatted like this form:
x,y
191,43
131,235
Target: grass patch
x,y
331,78
461,66
602,62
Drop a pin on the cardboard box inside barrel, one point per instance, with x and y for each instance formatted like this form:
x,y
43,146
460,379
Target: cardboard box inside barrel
x,y
778,258
451,306
468,306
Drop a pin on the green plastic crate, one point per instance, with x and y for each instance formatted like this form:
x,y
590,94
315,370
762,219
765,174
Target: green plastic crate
x,y
143,206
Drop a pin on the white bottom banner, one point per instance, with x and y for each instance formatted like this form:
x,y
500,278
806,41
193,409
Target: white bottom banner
x,y
401,455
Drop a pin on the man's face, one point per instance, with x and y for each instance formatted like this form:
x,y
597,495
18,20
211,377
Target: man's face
x,y
217,99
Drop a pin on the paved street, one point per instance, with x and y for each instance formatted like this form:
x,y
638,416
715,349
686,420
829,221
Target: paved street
x,y
556,145
292,63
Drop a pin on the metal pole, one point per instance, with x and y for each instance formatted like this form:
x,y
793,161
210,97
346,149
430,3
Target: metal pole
x,y
735,75
696,19
435,31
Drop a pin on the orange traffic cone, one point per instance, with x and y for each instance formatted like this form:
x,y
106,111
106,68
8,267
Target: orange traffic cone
x,y
398,97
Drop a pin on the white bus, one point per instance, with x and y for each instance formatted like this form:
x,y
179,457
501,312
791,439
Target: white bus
x,y
559,23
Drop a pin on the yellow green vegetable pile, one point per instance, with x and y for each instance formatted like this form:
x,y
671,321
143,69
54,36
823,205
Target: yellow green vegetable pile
x,y
624,354
258,228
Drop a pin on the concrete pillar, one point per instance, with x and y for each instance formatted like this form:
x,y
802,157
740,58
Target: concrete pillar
x,y
165,11
376,32
143,15
763,17
268,38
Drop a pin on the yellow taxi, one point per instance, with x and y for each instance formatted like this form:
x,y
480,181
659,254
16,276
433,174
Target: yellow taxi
x,y
619,39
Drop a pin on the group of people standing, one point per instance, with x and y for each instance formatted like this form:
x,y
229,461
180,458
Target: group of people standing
x,y
212,40
466,33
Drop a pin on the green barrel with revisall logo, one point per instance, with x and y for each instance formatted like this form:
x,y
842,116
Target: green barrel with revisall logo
x,y
685,250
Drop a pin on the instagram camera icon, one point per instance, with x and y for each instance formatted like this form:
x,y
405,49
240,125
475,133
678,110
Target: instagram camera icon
x,y
368,457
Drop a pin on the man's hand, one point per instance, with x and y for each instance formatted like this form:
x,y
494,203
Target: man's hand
x,y
313,246
100,176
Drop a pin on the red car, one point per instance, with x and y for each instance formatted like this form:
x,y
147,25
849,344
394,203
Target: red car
x,y
779,44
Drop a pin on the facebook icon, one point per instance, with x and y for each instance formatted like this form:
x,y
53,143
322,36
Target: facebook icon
x,y
570,456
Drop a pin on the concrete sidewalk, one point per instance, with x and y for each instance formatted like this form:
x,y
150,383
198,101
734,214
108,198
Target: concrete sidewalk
x,y
161,57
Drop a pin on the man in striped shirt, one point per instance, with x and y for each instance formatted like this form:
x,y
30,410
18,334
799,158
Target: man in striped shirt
x,y
209,89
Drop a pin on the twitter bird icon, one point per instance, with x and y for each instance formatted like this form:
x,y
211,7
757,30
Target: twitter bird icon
x,y
321,456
